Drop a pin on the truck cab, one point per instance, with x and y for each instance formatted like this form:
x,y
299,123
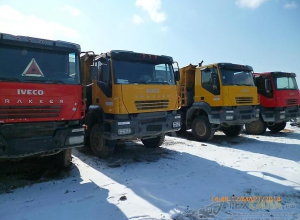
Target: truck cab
x,y
41,103
279,101
219,96
131,96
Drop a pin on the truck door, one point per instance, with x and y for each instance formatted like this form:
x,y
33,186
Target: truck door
x,y
104,80
211,84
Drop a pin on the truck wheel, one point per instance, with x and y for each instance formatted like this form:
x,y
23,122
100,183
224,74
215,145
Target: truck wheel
x,y
233,131
201,129
277,127
154,142
62,160
256,127
101,147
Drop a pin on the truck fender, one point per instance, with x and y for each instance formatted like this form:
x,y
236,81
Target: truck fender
x,y
198,108
94,116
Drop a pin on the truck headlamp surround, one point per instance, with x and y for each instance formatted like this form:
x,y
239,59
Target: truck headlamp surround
x,y
75,140
176,124
229,117
124,131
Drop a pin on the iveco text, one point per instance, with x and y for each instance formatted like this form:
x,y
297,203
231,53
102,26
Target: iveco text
x,y
152,90
30,92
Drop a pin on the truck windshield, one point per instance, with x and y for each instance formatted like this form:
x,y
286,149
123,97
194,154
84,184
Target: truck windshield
x,y
130,72
236,77
286,82
20,64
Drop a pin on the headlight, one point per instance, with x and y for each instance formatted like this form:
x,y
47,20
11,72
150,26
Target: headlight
x,y
176,124
123,131
78,130
229,117
75,140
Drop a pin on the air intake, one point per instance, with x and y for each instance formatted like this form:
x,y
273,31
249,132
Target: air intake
x,y
16,112
148,105
244,100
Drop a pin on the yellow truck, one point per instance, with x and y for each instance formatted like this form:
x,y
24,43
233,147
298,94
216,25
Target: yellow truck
x,y
129,96
219,96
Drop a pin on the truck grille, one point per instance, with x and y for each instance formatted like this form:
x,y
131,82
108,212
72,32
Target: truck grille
x,y
247,112
246,116
291,101
15,112
244,100
156,104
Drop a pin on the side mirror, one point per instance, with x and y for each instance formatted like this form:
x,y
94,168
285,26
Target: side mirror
x,y
176,71
214,78
268,84
177,75
254,80
93,72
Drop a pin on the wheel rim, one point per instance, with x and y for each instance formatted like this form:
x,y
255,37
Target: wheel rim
x,y
251,126
254,125
200,129
97,143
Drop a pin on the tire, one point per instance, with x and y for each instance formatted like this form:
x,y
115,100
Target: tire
x,y
256,127
62,160
154,142
233,131
277,127
201,129
101,147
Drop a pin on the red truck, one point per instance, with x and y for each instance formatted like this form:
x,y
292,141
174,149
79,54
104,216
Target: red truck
x,y
279,101
41,99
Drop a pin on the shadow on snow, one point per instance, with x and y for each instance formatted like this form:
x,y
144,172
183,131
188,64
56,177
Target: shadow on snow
x,y
256,144
176,181
53,195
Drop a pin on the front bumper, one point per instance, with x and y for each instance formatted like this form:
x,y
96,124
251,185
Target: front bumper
x,y
141,125
25,139
237,115
276,115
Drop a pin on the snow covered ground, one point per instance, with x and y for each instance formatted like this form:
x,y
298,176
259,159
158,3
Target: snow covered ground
x,y
184,179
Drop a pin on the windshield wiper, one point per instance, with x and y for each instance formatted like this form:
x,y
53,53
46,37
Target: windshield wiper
x,y
245,85
46,81
140,83
155,82
12,79
55,81
165,83
232,84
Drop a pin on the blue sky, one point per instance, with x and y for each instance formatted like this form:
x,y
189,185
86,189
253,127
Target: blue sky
x,y
262,33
